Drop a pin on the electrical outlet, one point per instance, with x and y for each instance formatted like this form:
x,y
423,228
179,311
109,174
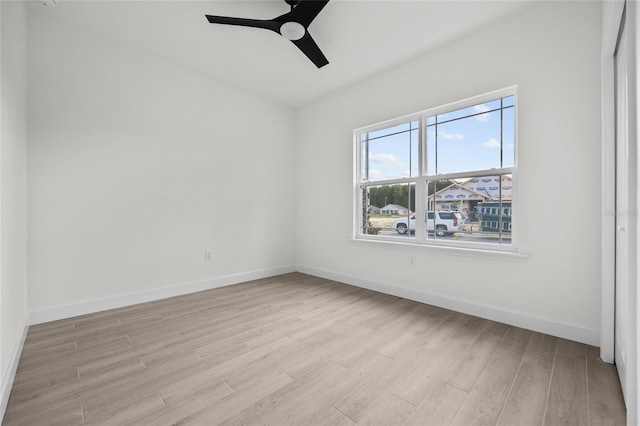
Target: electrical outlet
x,y
412,262
207,256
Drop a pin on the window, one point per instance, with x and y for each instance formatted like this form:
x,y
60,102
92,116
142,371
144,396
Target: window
x,y
458,161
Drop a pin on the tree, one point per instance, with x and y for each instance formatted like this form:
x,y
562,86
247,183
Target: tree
x,y
402,195
438,185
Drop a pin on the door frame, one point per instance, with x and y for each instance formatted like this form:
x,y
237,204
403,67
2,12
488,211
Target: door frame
x,y
614,12
612,26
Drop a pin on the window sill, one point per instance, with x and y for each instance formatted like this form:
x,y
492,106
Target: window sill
x,y
510,254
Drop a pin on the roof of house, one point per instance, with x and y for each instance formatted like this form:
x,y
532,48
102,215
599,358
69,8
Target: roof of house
x,y
458,192
393,207
476,189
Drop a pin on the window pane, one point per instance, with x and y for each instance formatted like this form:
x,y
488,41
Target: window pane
x,y
482,206
508,101
508,137
400,128
415,159
443,216
492,222
388,210
471,143
392,153
431,150
363,163
479,137
478,111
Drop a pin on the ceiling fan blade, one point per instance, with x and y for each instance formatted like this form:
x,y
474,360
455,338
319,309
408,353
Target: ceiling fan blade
x,y
306,11
311,49
255,23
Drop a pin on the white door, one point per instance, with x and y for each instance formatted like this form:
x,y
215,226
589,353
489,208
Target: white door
x,y
623,164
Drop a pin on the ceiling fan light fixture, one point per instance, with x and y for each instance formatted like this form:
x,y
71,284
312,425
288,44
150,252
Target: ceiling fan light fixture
x,y
292,30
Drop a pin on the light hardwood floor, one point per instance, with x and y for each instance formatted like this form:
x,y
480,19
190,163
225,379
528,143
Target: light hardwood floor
x,y
300,350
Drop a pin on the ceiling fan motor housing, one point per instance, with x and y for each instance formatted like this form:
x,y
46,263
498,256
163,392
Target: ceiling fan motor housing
x,y
292,30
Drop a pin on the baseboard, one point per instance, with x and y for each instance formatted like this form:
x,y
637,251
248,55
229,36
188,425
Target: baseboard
x,y
7,380
554,328
97,305
518,319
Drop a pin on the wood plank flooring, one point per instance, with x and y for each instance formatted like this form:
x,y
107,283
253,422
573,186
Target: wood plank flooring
x,y
301,350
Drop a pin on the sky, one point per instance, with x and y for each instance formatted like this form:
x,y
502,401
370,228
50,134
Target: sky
x,y
472,142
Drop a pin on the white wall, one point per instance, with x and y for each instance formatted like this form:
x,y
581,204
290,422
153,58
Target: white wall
x,y
138,165
552,52
13,189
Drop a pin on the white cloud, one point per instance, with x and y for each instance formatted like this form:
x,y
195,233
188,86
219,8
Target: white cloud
x,y
374,174
386,159
492,143
456,136
481,108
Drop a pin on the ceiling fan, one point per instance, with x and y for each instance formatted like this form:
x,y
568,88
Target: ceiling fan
x,y
292,26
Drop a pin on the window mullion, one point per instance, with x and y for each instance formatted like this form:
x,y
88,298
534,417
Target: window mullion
x,y
419,197
389,182
475,173
420,211
366,156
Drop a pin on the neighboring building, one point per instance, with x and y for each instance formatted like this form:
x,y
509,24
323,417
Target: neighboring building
x,y
394,209
489,186
374,210
464,196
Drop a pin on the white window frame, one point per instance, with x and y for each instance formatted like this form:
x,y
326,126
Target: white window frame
x,y
421,179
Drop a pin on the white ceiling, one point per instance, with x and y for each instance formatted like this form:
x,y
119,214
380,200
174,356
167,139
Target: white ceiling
x,y
359,37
